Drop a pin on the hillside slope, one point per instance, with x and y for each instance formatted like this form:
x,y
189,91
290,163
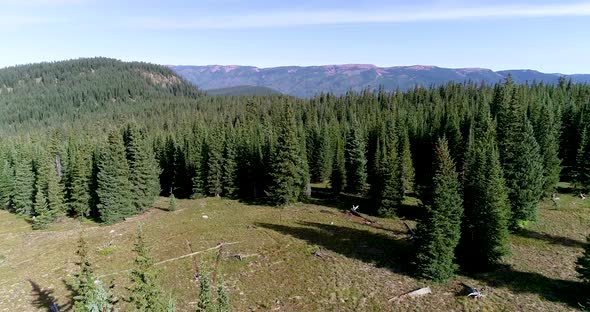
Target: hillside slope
x,y
66,90
311,80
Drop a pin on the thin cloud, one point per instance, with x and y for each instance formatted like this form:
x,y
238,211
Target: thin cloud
x,y
391,15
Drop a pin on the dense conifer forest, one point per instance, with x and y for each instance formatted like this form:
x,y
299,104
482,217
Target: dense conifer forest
x,y
102,139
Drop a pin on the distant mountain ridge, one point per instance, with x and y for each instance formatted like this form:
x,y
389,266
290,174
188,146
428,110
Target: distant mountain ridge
x,y
306,81
243,90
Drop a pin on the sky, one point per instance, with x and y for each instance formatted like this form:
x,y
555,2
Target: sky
x,y
546,35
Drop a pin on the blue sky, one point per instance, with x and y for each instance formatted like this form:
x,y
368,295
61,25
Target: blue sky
x,y
547,35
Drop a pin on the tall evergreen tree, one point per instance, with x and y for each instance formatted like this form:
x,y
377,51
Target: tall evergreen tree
x,y
355,162
524,178
338,174
521,160
484,229
55,191
145,291
43,215
440,228
214,165
24,185
114,189
6,183
230,167
405,159
392,188
548,132
286,175
143,169
78,183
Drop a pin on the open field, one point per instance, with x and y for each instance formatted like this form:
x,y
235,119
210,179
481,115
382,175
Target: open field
x,y
361,268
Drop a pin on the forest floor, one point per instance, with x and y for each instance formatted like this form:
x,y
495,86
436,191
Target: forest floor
x,y
305,257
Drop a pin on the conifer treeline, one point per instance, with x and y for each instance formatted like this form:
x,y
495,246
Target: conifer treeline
x,y
375,144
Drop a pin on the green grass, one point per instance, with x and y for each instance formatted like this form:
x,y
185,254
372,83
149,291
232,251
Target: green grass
x,y
362,267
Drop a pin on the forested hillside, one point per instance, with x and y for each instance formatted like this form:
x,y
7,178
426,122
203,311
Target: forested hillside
x,y
101,139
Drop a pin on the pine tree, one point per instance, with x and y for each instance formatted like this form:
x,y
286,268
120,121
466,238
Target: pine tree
x,y
145,291
223,304
484,229
89,295
439,231
205,303
143,169
355,162
55,192
392,189
548,131
114,189
43,215
338,174
583,263
214,165
6,183
405,159
521,161
172,205
286,161
24,186
230,167
524,179
580,166
78,184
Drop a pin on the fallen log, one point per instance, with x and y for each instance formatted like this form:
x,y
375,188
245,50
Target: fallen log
x,y
220,245
410,231
414,293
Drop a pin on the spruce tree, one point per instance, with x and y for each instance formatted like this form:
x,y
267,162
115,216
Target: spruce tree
x,y
580,167
440,229
145,291
88,293
548,132
205,303
521,160
338,174
6,183
24,186
78,185
355,162
55,192
143,169
583,263
484,228
405,159
114,189
214,165
223,304
524,178
230,167
43,215
392,188
286,185
172,204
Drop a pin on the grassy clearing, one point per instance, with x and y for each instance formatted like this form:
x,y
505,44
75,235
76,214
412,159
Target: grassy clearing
x,y
361,269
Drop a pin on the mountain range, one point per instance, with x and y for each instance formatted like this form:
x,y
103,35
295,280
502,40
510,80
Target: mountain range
x,y
306,81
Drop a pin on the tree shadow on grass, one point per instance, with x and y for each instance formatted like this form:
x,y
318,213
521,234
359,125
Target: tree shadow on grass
x,y
552,239
383,250
572,293
42,298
